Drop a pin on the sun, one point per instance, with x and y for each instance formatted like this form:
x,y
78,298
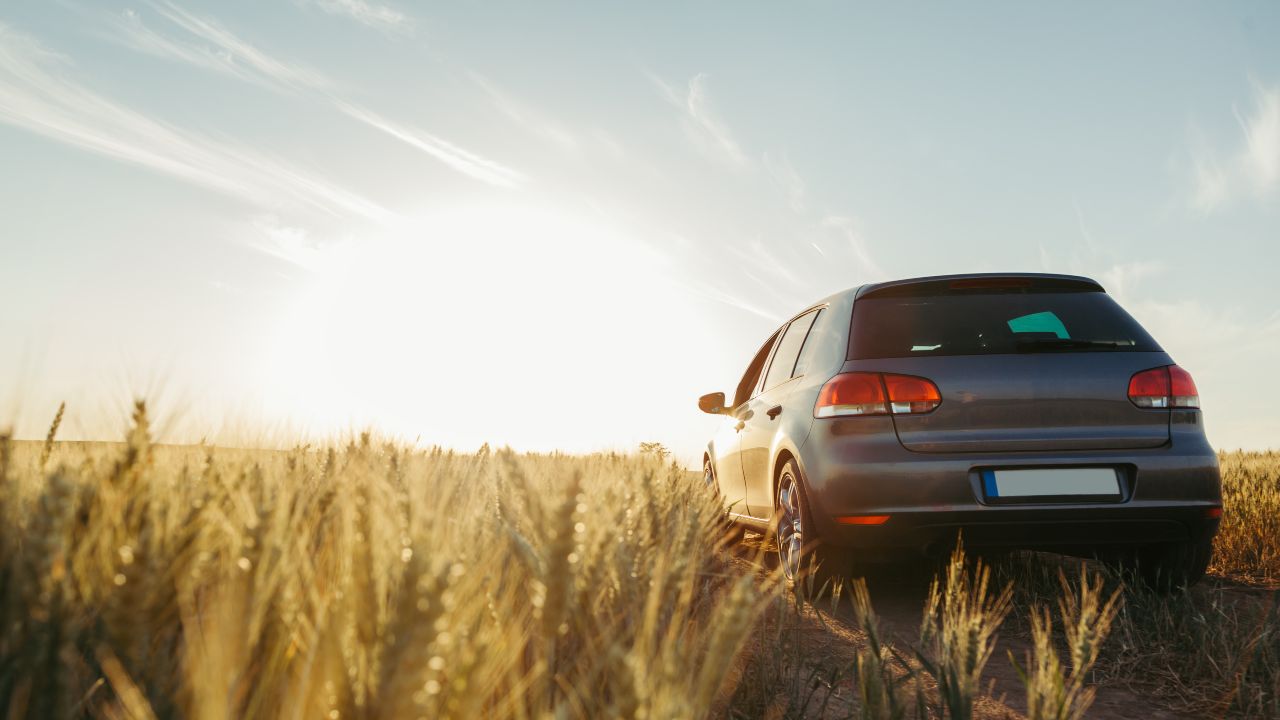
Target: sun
x,y
522,324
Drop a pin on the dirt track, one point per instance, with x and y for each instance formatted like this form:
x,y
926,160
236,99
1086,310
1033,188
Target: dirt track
x,y
829,637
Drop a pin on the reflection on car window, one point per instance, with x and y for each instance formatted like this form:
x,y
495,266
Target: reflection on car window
x,y
751,377
810,347
1039,323
784,360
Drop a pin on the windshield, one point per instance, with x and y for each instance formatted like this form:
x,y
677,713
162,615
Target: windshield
x,y
992,324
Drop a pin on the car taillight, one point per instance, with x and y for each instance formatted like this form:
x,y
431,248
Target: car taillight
x,y
1150,388
865,393
909,394
1164,387
1183,392
851,394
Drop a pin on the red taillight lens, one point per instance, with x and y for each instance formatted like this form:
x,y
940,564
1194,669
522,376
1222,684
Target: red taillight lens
x,y
863,393
908,394
1164,387
1150,388
1183,393
851,394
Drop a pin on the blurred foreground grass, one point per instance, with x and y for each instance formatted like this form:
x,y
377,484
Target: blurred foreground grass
x,y
367,581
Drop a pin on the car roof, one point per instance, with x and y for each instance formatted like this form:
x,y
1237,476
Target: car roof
x,y
1051,280
906,285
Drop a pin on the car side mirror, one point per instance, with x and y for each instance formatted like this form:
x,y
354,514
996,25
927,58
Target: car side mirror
x,y
712,403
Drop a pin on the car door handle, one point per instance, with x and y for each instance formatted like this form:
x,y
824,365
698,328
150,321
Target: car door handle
x,y
774,411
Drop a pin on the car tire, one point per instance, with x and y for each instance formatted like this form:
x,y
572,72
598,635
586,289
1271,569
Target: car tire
x,y
1174,566
806,562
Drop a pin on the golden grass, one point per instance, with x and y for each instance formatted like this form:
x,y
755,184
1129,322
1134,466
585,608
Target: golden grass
x,y
958,631
1248,542
365,581
1055,692
372,580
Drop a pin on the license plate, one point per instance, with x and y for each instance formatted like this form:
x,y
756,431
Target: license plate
x,y
1051,482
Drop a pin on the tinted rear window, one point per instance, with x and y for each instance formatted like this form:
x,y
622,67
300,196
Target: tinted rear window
x,y
992,324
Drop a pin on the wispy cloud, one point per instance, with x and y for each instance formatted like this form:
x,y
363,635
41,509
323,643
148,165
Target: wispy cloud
x,y
1253,168
709,292
806,249
36,95
207,44
530,119
866,268
1262,137
701,122
465,162
785,175
293,244
374,15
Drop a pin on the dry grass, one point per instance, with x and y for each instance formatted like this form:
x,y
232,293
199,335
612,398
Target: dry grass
x,y
958,631
1054,692
367,581
1248,543
374,581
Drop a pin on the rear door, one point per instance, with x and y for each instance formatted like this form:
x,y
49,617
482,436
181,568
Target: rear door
x,y
1018,368
762,419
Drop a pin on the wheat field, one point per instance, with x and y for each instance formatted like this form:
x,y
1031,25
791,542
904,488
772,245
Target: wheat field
x,y
372,580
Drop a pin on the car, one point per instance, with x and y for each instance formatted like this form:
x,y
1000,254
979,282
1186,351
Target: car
x,y
1021,411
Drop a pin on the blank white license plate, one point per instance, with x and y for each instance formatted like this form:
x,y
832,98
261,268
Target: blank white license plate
x,y
1045,482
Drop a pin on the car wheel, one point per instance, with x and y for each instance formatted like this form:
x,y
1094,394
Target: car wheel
x,y
1175,566
804,559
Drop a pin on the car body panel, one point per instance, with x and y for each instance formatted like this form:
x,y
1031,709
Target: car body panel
x,y
759,437
855,468
726,461
1033,401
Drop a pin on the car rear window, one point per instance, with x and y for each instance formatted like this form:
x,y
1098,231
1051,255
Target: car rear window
x,y
993,324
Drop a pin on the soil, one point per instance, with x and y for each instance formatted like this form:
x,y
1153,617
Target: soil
x,y
830,636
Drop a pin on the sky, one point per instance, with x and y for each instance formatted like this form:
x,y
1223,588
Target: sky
x,y
554,226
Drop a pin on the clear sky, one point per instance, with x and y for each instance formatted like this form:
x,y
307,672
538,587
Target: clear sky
x,y
554,226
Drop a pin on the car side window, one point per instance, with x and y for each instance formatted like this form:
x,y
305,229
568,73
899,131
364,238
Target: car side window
x,y
811,344
751,378
784,359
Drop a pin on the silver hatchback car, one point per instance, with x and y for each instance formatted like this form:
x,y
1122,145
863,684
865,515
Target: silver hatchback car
x,y
1025,411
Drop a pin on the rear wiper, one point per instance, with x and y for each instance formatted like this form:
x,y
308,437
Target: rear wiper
x,y
1049,344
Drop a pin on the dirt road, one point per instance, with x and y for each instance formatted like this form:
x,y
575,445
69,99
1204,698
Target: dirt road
x,y
824,640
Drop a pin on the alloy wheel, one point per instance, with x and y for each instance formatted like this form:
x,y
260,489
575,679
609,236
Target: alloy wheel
x,y
790,527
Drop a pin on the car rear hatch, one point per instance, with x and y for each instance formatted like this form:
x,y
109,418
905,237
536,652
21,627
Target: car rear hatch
x,y
1022,363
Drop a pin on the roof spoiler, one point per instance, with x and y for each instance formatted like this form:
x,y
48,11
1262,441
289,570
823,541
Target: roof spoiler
x,y
981,283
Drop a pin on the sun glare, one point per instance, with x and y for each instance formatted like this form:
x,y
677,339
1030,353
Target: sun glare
x,y
515,324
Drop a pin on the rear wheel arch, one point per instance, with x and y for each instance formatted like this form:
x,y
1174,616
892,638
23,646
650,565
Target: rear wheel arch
x,y
780,462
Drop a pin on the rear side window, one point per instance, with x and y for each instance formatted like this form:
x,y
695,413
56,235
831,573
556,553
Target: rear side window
x,y
993,324
811,345
784,359
751,377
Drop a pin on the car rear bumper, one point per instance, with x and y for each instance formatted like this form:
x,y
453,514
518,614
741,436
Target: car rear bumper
x,y
856,467
1067,529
